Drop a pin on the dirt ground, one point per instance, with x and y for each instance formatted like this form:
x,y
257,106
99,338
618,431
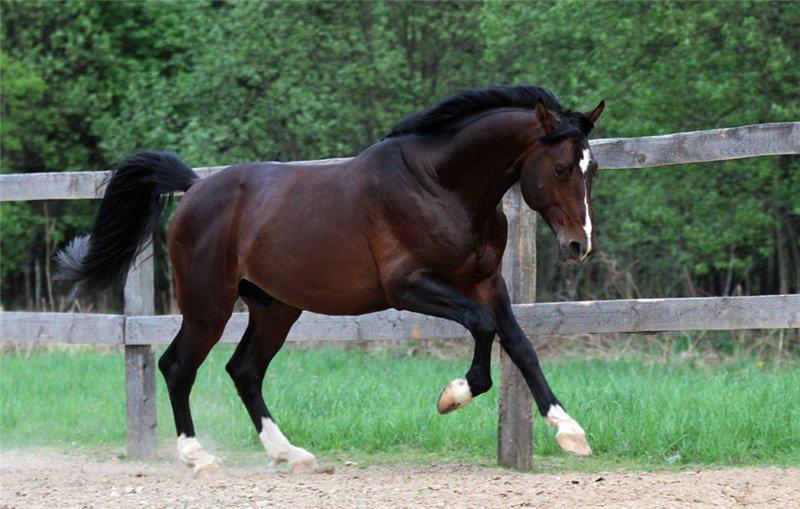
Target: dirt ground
x,y
51,479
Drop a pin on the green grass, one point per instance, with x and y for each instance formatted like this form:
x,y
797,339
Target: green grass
x,y
380,408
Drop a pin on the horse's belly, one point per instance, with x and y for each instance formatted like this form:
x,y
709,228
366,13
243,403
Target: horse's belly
x,y
326,299
329,280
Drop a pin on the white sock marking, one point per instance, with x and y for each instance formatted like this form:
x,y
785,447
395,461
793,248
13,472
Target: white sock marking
x,y
587,222
192,454
459,388
560,420
277,445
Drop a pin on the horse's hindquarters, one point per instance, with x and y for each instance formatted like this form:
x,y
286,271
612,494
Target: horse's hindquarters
x,y
297,233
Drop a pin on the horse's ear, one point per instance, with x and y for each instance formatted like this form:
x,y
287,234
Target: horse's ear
x,y
595,113
543,118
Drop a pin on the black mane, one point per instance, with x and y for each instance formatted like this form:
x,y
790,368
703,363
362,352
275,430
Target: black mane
x,y
471,101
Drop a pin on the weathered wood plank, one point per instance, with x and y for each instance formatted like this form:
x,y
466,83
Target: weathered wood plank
x,y
140,364
62,328
389,324
83,185
52,186
698,146
515,413
645,315
614,153
652,315
140,401
138,293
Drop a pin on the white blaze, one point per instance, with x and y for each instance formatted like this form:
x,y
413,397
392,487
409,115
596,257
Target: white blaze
x,y
583,164
277,445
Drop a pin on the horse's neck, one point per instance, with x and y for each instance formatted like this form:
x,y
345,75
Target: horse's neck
x,y
477,162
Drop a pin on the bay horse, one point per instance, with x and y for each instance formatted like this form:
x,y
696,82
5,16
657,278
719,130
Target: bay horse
x,y
413,222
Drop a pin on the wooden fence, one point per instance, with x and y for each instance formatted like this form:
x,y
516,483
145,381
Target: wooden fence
x,y
138,329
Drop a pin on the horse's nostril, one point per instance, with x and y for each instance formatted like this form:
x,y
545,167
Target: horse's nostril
x,y
577,248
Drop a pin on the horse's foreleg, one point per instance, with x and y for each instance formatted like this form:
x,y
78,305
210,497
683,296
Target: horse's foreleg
x,y
423,293
569,435
460,392
266,332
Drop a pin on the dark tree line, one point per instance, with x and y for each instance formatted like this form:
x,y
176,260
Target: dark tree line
x,y
86,83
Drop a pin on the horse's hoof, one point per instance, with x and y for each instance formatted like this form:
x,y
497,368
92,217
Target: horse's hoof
x,y
210,471
456,395
327,469
574,444
304,466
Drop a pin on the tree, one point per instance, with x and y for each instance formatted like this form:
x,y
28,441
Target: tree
x,y
86,83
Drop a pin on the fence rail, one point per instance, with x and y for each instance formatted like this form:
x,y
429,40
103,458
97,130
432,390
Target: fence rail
x,y
782,138
137,329
547,318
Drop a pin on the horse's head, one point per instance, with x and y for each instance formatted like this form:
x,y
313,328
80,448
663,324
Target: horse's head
x,y
556,178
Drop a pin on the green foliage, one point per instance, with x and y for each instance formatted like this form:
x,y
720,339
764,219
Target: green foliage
x,y
667,67
346,403
86,83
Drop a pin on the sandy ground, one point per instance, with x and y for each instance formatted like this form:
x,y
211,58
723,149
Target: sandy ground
x,y
52,479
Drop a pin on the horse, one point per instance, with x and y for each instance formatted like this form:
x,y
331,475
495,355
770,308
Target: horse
x,y
413,223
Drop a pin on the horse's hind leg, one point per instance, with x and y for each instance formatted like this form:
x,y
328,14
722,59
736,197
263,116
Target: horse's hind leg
x,y
270,321
204,318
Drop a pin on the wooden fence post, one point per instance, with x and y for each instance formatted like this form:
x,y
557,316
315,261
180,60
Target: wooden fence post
x,y
515,416
140,365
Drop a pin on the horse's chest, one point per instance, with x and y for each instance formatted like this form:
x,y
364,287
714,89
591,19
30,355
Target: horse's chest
x,y
464,257
480,263
445,239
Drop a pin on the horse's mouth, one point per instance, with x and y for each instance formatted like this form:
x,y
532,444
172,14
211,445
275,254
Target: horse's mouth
x,y
566,257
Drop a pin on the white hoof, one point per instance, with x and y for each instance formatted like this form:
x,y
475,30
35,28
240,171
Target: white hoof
x,y
571,438
280,450
456,395
210,471
574,444
192,455
303,466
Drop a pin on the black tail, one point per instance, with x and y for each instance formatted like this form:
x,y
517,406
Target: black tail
x,y
130,212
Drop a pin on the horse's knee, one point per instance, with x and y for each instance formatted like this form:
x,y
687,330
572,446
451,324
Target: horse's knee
x,y
481,322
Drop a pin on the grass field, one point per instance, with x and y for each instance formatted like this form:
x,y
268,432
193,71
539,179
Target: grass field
x,y
347,403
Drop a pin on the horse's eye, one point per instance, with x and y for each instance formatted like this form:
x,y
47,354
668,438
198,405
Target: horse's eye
x,y
562,172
